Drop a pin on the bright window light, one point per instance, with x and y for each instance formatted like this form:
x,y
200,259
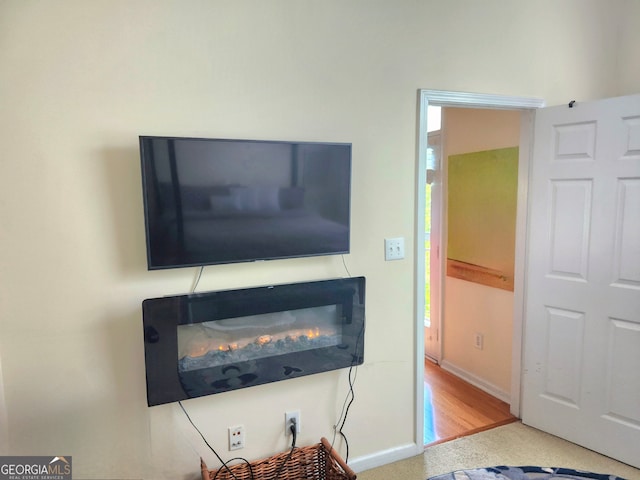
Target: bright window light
x,y
433,118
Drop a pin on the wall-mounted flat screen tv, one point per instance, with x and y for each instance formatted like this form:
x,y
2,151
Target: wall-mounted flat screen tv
x,y
215,201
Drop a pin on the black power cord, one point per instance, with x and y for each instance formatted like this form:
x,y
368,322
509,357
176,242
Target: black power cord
x,y
293,428
225,465
345,267
197,280
349,399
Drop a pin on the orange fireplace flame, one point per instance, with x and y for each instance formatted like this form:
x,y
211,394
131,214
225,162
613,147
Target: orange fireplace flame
x,y
264,339
228,348
313,333
202,347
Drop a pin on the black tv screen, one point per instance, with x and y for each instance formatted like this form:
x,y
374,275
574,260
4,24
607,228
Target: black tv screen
x,y
214,201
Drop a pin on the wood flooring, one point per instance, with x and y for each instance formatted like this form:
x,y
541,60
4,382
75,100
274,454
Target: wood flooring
x,y
455,408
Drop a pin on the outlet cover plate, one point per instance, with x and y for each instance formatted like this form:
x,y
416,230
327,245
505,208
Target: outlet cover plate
x,y
236,437
287,421
394,248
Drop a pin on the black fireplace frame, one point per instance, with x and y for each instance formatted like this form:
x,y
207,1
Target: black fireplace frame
x,y
162,316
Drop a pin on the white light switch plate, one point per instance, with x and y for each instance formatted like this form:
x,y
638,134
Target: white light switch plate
x,y
394,248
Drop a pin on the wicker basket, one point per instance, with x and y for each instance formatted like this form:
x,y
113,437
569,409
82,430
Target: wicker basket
x,y
315,462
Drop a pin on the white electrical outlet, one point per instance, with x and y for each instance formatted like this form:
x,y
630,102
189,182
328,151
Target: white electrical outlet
x,y
478,341
288,418
394,248
236,437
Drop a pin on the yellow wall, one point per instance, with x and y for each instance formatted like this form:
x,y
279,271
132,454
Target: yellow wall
x,y
481,200
80,80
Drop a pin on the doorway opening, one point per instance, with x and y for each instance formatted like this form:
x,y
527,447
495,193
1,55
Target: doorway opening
x,y
430,180
474,155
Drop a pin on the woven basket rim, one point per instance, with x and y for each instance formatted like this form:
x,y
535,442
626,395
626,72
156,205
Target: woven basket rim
x,y
318,461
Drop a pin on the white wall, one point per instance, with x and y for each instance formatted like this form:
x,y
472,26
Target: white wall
x,y
80,80
628,58
471,308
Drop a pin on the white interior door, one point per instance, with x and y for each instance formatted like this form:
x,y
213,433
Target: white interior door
x,y
581,375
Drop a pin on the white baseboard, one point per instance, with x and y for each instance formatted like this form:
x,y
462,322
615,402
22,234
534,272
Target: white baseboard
x,y
384,457
476,381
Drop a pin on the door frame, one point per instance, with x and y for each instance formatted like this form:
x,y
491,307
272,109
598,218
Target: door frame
x,y
444,98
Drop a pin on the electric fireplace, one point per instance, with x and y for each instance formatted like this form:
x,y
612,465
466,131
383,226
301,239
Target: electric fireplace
x,y
214,342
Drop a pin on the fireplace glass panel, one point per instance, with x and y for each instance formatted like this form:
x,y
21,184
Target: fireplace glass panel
x,y
233,340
